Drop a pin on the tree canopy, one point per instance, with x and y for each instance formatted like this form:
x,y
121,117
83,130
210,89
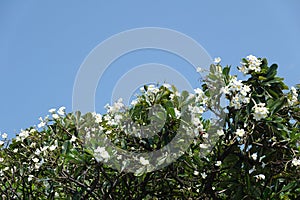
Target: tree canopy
x,y
252,152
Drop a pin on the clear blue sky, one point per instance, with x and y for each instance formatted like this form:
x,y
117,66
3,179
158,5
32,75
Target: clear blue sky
x,y
43,43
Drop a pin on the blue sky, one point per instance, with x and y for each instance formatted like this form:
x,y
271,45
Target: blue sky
x,y
42,44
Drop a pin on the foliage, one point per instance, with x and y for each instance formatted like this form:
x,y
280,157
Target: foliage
x,y
256,154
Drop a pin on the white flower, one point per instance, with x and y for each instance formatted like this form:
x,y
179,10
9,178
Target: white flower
x,y
217,60
44,148
244,69
199,69
142,89
61,110
24,134
98,118
52,110
41,124
240,132
52,147
30,177
252,64
203,146
245,90
37,165
32,130
196,109
225,90
4,136
218,163
220,132
196,173
35,160
260,111
134,102
296,162
15,150
37,152
252,170
116,107
199,92
254,156
294,99
203,175
152,89
101,154
166,85
55,116
73,139
1,159
260,177
196,121
177,113
144,161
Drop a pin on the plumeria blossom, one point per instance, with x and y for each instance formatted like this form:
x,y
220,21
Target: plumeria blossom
x,y
152,89
294,97
217,60
30,177
177,113
252,64
73,139
259,177
254,156
116,107
218,163
296,162
22,135
55,116
144,161
260,111
98,117
4,135
101,154
52,110
220,132
199,69
240,132
239,92
52,147
203,175
61,111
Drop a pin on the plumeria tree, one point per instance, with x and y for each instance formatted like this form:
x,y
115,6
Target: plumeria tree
x,y
253,153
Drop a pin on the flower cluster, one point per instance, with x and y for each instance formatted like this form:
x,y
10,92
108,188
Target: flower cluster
x,y
240,93
260,177
294,96
260,111
60,112
296,162
101,154
4,137
251,64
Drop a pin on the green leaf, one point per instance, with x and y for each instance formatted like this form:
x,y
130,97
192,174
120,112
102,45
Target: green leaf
x,y
277,105
272,71
288,187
